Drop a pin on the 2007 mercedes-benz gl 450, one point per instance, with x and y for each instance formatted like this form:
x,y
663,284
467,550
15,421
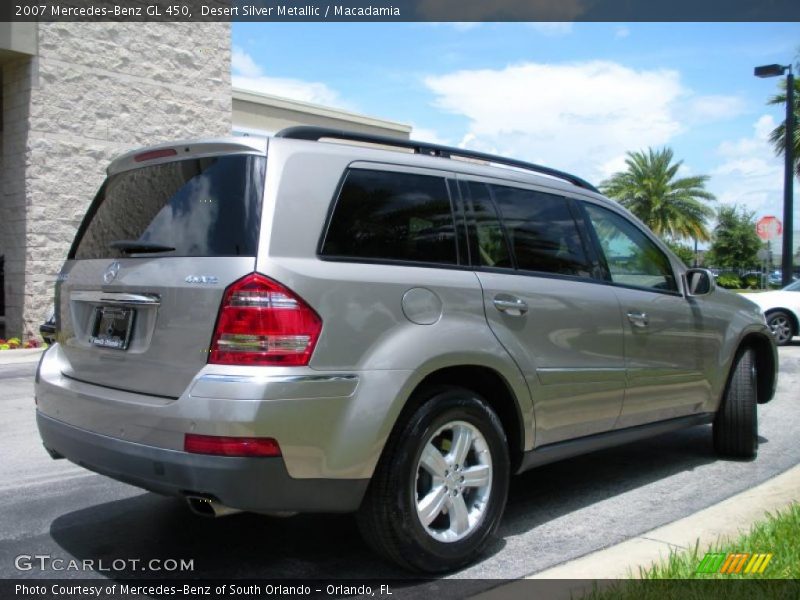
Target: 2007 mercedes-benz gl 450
x,y
323,323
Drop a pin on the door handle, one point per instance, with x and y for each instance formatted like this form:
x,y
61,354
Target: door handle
x,y
638,319
511,305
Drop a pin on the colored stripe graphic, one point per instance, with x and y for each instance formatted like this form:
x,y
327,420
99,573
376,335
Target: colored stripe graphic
x,y
767,558
711,562
734,563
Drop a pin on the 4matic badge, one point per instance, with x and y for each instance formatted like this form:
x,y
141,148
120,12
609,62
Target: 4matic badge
x,y
207,279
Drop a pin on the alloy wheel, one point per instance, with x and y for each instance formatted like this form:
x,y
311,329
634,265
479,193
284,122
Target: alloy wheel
x,y
453,482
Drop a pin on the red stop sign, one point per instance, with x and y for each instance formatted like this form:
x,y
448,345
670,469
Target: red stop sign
x,y
768,228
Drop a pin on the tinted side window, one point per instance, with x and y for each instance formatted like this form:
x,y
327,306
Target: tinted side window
x,y
491,241
633,259
392,216
541,231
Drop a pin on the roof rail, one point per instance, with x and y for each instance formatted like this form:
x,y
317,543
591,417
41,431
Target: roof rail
x,y
306,132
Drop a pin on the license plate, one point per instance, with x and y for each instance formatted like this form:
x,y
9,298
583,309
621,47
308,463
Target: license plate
x,y
112,327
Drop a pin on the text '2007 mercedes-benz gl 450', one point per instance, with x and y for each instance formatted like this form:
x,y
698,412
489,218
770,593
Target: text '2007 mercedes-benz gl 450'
x,y
335,322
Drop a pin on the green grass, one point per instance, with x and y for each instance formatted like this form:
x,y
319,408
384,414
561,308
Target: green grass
x,y
779,534
677,577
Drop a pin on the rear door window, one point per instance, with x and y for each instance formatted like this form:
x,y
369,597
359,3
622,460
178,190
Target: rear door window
x,y
492,247
391,216
541,231
199,207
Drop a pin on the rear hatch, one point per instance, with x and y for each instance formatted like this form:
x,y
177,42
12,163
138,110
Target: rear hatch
x,y
138,297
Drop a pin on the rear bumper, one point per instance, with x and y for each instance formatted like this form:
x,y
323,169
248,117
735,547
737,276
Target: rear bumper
x,y
251,484
329,425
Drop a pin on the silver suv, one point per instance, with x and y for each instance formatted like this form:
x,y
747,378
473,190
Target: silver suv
x,y
336,322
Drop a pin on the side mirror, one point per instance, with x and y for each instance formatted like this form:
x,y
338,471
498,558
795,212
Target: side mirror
x,y
699,282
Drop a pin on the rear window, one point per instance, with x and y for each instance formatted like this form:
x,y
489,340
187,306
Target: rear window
x,y
392,216
200,207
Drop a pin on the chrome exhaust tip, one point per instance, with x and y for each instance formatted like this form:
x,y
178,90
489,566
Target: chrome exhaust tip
x,y
209,507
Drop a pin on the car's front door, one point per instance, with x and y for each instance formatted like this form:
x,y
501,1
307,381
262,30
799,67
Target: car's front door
x,y
542,301
665,342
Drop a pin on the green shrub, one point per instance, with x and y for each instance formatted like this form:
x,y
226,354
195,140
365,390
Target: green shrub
x,y
752,281
729,280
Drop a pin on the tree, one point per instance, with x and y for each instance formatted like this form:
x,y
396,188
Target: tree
x,y
778,135
735,243
682,251
672,208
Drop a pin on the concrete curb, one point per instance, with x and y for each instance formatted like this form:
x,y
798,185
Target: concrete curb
x,y
17,357
725,520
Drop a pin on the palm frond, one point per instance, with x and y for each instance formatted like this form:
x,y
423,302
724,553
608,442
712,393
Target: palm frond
x,y
671,207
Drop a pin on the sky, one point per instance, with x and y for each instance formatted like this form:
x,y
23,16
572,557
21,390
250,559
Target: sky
x,y
574,96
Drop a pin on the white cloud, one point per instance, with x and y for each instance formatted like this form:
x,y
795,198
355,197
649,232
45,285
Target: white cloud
x,y
243,64
764,127
317,93
248,75
581,117
423,134
621,32
750,174
715,107
552,28
759,141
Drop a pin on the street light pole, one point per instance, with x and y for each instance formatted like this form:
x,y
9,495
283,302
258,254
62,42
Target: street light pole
x,y
788,184
788,175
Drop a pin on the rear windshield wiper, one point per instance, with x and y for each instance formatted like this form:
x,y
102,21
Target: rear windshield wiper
x,y
132,246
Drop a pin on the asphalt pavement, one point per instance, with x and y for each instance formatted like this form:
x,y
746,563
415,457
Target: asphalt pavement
x,y
555,513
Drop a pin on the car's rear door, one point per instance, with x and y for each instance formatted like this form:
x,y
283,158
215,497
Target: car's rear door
x,y
544,304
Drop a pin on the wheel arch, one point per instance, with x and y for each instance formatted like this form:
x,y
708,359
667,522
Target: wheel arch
x,y
485,381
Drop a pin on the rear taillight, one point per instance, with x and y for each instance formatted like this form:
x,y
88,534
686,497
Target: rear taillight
x,y
262,322
230,446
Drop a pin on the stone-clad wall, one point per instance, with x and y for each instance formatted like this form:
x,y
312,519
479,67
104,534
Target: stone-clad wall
x,y
100,89
17,80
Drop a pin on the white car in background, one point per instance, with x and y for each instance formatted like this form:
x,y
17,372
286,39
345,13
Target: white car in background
x,y
782,309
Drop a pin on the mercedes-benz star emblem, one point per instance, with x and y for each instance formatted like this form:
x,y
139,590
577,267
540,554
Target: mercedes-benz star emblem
x,y
111,272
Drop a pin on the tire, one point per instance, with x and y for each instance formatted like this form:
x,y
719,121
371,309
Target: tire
x,y
736,422
421,475
782,326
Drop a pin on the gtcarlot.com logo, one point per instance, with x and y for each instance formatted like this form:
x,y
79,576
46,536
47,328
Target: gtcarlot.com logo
x,y
46,562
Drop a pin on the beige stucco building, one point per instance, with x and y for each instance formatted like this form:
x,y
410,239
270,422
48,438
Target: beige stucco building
x,y
74,95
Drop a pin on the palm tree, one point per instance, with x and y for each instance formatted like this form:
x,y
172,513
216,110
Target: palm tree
x,y
778,135
672,208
